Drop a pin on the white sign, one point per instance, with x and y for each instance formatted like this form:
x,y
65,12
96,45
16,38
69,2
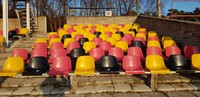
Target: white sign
x,y
108,13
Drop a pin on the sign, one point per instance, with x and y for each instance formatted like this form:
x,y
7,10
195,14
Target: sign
x,y
108,13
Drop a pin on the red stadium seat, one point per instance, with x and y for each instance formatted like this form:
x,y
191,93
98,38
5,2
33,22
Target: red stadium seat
x,y
136,51
117,52
97,53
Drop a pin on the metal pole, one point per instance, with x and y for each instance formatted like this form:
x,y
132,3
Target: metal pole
x,y
28,14
5,21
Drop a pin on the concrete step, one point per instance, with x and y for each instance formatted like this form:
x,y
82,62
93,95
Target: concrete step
x,y
9,50
4,55
2,61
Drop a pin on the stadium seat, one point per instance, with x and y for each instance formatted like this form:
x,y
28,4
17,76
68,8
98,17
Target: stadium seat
x,y
37,66
60,66
190,50
97,41
128,40
109,33
153,38
136,51
103,37
123,45
96,53
1,39
55,45
128,35
167,43
1,33
120,33
67,41
140,39
53,40
12,66
117,52
52,33
132,65
23,31
71,46
39,52
195,61
97,34
141,35
112,40
171,50
65,36
178,63
87,46
166,38
153,43
53,36
143,30
20,53
137,44
91,37
78,36
57,53
105,46
82,41
154,51
40,46
152,34
39,40
155,64
74,54
85,65
108,65
116,36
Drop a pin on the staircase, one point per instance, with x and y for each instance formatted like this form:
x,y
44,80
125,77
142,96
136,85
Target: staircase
x,y
21,14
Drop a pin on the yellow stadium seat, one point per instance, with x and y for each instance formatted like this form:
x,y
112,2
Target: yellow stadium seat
x,y
116,36
74,34
153,43
196,61
87,46
141,35
130,32
85,65
169,43
152,34
123,45
91,37
103,37
166,38
12,66
39,40
61,33
53,40
155,64
52,33
112,40
24,31
66,26
1,39
67,41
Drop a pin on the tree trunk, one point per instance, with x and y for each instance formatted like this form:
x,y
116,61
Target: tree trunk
x,y
159,8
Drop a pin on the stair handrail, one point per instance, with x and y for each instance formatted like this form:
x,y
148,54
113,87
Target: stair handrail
x,y
17,12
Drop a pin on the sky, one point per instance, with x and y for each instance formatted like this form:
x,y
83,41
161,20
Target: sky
x,y
185,6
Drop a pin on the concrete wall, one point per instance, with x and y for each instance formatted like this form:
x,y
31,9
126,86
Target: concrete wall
x,y
42,24
100,20
12,23
184,32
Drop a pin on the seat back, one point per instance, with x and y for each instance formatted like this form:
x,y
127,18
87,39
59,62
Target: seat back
x,y
61,66
40,46
128,40
78,36
82,41
14,64
76,52
141,35
190,50
167,43
166,38
97,53
129,35
97,34
112,40
154,51
116,36
108,64
39,40
132,65
20,53
97,41
153,43
178,62
136,51
195,61
172,50
64,37
120,33
105,46
67,41
38,65
39,52
87,46
140,39
57,52
117,52
103,37
85,65
71,46
153,38
123,45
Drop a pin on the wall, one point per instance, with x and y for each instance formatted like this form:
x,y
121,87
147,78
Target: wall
x,y
184,32
12,23
42,24
100,20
